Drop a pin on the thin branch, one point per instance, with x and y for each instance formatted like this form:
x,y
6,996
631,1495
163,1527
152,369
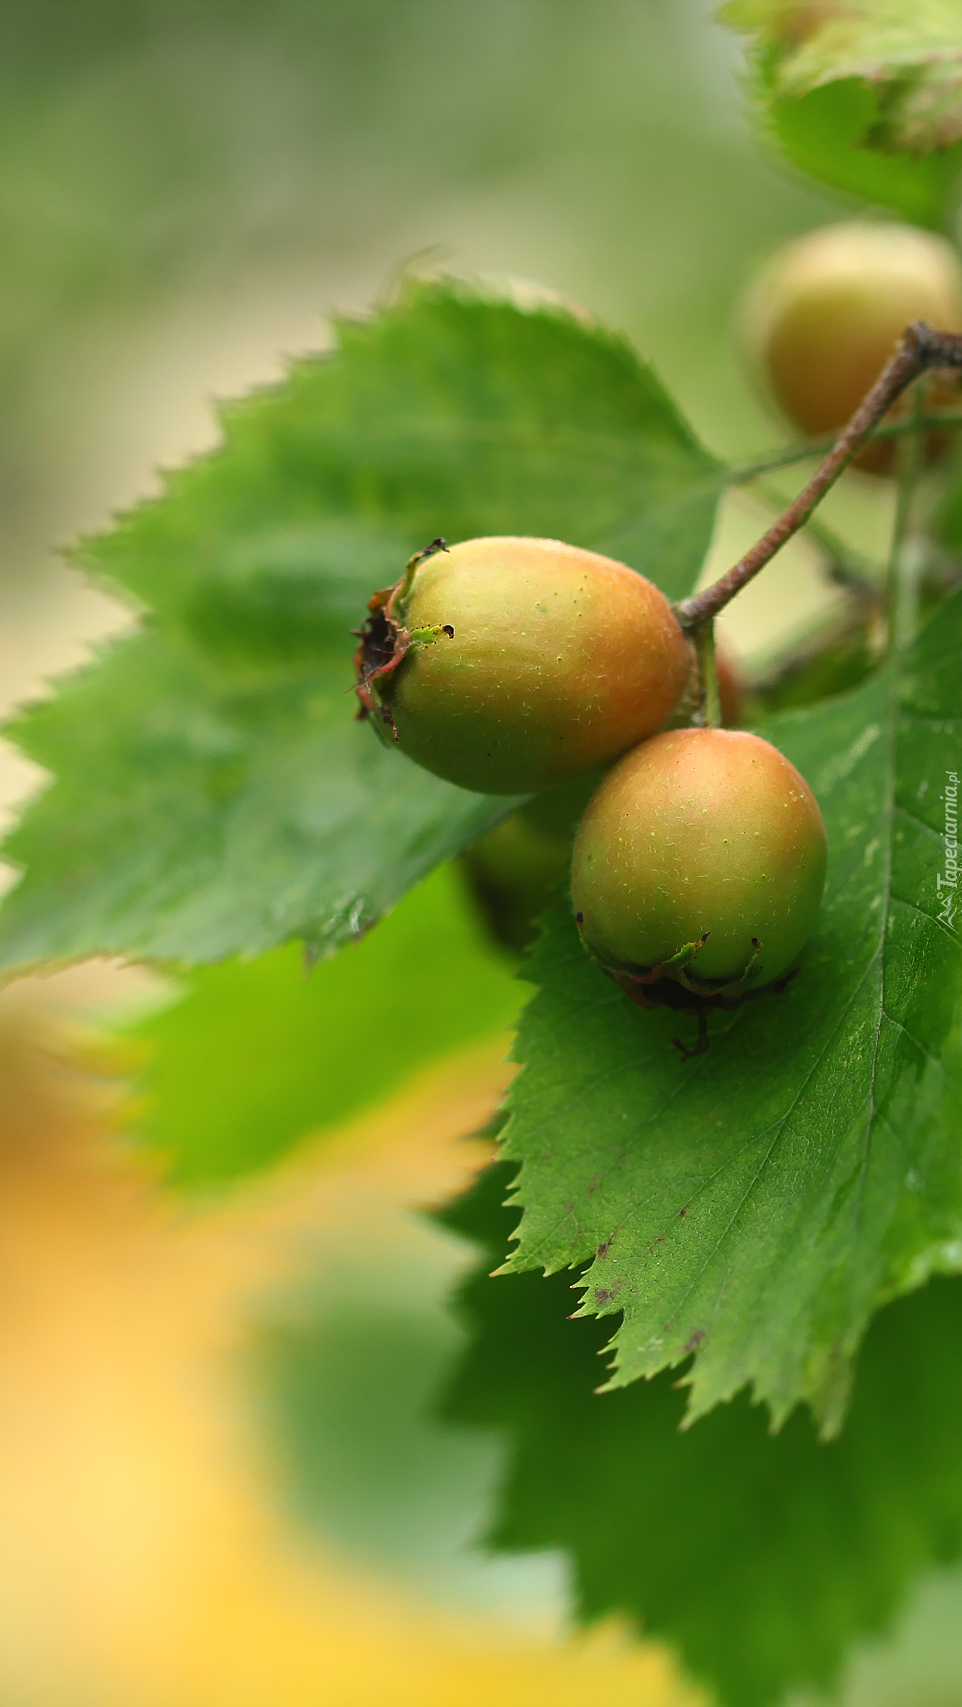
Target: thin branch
x,y
741,474
922,349
845,566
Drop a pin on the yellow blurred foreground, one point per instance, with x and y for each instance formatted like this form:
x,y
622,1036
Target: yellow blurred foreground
x,y
145,1562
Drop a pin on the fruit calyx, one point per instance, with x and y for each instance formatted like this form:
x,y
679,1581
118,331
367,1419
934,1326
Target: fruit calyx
x,y
643,983
671,984
384,640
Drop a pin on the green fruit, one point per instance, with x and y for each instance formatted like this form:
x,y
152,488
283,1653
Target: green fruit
x,y
559,661
514,870
701,860
827,313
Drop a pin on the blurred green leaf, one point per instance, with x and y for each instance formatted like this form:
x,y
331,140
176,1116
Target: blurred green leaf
x,y
865,95
761,1558
756,1205
254,1054
947,517
837,656
213,795
347,1391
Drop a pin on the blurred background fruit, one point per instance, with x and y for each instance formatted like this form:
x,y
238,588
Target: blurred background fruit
x,y
826,313
515,869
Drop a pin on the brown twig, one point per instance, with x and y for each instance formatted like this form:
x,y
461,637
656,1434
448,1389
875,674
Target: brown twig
x,y
743,473
921,349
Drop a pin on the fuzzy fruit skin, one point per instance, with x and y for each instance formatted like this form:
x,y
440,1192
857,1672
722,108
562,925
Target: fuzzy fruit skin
x,y
700,830
826,314
514,870
561,660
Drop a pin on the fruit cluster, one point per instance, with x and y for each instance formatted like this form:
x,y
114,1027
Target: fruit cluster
x,y
516,666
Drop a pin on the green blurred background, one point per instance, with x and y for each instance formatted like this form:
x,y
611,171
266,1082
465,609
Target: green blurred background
x,y
187,189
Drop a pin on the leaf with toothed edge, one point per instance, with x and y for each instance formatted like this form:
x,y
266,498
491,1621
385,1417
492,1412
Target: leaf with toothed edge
x,y
212,795
761,1558
249,1056
755,1206
865,95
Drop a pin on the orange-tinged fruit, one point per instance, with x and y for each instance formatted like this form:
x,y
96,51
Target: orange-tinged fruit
x,y
560,660
827,312
701,858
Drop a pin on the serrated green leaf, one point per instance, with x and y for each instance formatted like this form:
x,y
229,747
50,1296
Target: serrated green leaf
x,y
756,1205
865,95
761,1558
255,1054
872,39
213,795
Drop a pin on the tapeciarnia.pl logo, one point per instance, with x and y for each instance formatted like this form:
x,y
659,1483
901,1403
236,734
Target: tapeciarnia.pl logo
x,y
948,879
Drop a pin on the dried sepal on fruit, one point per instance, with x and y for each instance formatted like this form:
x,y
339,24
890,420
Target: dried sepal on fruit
x,y
383,641
698,870
560,660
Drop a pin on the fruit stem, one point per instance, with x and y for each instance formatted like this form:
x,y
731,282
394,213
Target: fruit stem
x,y
900,580
708,714
921,349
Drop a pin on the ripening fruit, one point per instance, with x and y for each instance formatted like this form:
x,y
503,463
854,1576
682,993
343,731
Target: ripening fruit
x,y
514,870
701,859
527,662
826,314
